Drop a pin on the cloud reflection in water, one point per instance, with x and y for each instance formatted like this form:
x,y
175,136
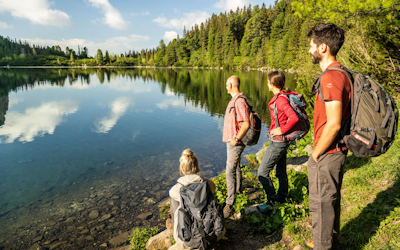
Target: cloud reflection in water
x,y
118,109
35,121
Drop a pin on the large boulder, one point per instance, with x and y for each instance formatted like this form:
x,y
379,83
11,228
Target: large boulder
x,y
161,241
260,154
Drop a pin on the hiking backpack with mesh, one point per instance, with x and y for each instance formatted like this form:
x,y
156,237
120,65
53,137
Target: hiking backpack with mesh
x,y
371,128
200,218
299,105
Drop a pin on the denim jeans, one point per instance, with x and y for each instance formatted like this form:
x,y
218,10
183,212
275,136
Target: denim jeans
x,y
275,156
325,182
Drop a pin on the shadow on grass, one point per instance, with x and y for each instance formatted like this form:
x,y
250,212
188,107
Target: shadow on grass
x,y
244,236
358,231
353,162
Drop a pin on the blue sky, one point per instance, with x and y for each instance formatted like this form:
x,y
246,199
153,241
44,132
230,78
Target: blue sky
x,y
113,25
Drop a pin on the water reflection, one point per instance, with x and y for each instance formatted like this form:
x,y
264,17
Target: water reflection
x,y
119,128
3,108
118,109
35,122
206,88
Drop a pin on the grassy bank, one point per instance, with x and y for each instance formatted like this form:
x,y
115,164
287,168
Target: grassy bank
x,y
370,207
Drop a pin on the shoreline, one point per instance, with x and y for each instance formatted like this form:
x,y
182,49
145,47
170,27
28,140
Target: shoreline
x,y
263,69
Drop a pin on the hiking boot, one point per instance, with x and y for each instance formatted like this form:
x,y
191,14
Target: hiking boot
x,y
309,244
169,225
227,211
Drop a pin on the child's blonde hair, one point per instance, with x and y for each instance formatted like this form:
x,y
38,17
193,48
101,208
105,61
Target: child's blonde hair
x,y
189,163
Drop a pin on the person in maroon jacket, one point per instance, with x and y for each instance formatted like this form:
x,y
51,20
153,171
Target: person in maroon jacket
x,y
276,151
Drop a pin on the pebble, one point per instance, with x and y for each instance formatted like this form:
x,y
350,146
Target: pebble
x,y
144,216
85,231
35,247
115,197
105,217
90,237
94,214
71,228
55,245
38,238
51,222
70,220
120,239
150,201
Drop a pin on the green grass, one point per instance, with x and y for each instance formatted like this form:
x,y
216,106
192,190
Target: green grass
x,y
139,236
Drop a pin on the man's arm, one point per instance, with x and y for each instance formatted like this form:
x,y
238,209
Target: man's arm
x,y
244,126
331,129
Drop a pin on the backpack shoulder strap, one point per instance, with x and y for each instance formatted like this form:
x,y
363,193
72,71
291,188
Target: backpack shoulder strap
x,y
276,109
234,104
317,84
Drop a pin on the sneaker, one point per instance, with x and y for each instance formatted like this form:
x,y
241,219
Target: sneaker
x,y
265,208
309,244
227,211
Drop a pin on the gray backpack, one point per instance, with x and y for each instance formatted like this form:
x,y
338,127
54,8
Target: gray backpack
x,y
371,128
253,133
200,218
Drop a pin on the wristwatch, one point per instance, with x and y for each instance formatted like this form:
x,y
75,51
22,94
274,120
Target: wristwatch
x,y
236,139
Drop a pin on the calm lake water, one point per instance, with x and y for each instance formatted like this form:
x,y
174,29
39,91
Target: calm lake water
x,y
65,132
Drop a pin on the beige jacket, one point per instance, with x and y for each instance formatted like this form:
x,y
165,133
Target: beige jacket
x,y
174,194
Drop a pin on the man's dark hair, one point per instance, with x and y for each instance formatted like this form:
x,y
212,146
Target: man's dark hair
x,y
328,33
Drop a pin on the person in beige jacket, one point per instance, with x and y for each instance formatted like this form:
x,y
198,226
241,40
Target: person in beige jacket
x,y
190,171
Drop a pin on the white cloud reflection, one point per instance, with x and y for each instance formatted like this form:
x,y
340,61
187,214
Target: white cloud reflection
x,y
179,103
35,122
118,109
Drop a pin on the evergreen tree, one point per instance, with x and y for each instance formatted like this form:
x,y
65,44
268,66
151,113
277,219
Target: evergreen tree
x,y
99,56
107,57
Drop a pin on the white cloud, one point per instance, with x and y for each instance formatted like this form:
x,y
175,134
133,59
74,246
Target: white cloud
x,y
118,109
112,17
36,11
35,121
188,20
141,14
5,26
170,35
231,4
114,45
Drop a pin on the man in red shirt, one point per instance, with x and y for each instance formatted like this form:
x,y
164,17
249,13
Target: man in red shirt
x,y
325,165
236,124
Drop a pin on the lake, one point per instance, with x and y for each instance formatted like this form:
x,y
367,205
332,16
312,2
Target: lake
x,y
76,142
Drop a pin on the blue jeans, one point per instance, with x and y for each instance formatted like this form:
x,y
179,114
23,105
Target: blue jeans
x,y
274,156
